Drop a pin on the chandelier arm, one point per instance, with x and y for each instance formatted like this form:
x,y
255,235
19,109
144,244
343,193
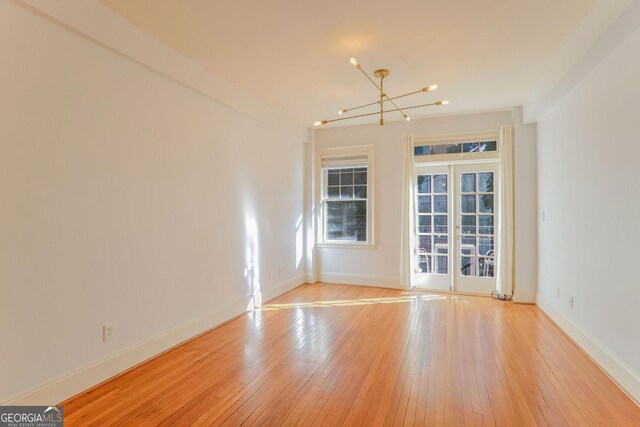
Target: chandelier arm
x,y
369,78
377,112
414,106
403,95
350,117
388,99
361,106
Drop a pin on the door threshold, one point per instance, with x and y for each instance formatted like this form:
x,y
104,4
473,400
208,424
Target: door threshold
x,y
439,291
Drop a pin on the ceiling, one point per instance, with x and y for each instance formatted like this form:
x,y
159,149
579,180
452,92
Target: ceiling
x,y
294,54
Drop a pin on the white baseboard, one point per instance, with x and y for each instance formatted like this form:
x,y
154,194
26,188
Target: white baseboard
x,y
311,278
524,296
356,279
83,378
283,288
614,367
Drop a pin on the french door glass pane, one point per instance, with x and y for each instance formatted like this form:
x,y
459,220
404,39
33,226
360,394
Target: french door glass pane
x,y
424,224
440,183
485,203
468,182
424,184
424,204
440,204
468,203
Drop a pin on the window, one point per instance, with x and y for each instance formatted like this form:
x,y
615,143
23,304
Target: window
x,y
345,183
457,148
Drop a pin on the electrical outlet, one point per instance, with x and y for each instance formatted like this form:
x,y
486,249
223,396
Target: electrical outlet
x,y
571,301
108,331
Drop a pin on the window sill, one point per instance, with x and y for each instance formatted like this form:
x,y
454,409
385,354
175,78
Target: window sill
x,y
336,245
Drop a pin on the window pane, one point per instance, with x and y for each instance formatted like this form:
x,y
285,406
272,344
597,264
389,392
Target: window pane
x,y
470,147
424,204
488,146
440,183
485,182
454,148
424,224
334,179
346,192
346,220
346,178
467,265
424,184
421,151
438,149
440,224
468,203
485,224
468,224
333,191
362,169
485,203
468,182
441,264
425,243
486,267
360,178
485,244
360,191
440,204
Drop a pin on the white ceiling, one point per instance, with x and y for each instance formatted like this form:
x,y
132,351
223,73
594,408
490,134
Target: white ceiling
x,y
294,54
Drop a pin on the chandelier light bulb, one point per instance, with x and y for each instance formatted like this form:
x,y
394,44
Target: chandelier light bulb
x,y
407,118
341,112
317,123
442,102
433,87
354,62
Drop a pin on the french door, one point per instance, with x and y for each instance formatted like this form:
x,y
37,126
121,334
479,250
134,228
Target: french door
x,y
456,210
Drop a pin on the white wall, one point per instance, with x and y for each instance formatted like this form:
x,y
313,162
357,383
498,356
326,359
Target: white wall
x,y
381,266
126,197
589,170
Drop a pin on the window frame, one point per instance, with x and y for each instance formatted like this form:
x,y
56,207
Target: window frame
x,y
322,188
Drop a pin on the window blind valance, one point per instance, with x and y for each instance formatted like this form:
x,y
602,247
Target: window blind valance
x,y
345,161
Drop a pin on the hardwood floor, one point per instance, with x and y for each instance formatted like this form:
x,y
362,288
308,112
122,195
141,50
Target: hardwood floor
x,y
332,355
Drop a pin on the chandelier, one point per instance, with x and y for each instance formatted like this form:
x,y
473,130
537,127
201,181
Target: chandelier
x,y
381,74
